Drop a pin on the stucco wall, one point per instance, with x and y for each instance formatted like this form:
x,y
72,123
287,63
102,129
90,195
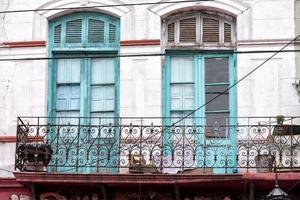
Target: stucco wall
x,y
261,25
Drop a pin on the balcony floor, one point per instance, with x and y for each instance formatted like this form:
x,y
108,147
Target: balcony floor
x,y
262,181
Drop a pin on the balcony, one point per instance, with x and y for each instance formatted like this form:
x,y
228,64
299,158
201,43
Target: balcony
x,y
157,145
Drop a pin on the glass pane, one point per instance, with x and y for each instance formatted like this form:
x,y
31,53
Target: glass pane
x,y
221,102
182,69
176,116
217,125
216,70
102,118
176,97
68,97
103,70
182,96
68,71
65,118
102,98
188,96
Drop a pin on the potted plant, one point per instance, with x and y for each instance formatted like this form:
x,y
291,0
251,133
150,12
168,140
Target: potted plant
x,y
34,157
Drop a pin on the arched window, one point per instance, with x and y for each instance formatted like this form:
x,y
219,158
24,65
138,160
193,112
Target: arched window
x,y
83,91
200,65
82,84
199,29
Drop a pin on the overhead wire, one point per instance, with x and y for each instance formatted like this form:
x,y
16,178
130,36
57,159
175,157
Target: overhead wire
x,y
139,55
237,82
101,6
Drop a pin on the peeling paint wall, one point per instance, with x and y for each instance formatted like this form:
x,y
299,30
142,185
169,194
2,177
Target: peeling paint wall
x,y
261,25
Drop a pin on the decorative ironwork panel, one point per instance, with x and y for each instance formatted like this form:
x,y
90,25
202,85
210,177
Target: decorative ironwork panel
x,y
149,145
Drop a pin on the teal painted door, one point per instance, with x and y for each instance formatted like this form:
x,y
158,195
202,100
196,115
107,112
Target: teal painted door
x,y
102,111
190,81
86,88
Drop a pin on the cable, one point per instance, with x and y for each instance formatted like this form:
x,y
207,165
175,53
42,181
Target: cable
x,y
138,55
240,80
6,170
102,6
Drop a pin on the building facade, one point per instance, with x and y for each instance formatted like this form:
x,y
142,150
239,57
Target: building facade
x,y
147,100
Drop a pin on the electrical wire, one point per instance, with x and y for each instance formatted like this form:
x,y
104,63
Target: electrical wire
x,y
102,6
237,82
139,55
6,170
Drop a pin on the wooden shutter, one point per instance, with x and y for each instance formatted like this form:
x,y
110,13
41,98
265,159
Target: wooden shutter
x,y
188,30
68,97
96,31
103,88
210,30
68,71
171,31
227,32
182,87
73,31
112,33
57,34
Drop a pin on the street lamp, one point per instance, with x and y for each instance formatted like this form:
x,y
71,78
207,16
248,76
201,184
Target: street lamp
x,y
277,193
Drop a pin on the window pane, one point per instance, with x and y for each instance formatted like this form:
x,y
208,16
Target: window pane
x,y
182,97
176,116
216,70
217,125
68,98
221,102
102,118
68,71
103,71
102,98
182,69
67,117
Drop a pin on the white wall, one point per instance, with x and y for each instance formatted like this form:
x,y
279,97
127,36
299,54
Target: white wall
x,y
261,25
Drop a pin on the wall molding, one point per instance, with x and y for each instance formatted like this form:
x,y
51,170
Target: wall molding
x,y
13,139
140,42
24,44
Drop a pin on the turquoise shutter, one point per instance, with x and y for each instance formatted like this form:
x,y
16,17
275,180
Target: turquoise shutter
x,y
103,89
73,31
57,34
95,31
68,90
182,94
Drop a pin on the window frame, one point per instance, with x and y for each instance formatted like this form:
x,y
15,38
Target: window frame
x,y
199,73
85,44
81,49
199,15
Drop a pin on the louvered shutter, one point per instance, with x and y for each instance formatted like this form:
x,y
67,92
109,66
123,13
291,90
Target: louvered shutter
x,y
68,89
188,30
227,32
171,31
112,33
57,34
95,31
210,30
73,31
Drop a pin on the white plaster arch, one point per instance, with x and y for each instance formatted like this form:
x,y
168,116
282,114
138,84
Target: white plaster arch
x,y
233,7
117,11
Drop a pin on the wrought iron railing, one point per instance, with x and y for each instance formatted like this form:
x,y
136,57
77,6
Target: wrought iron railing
x,y
155,145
